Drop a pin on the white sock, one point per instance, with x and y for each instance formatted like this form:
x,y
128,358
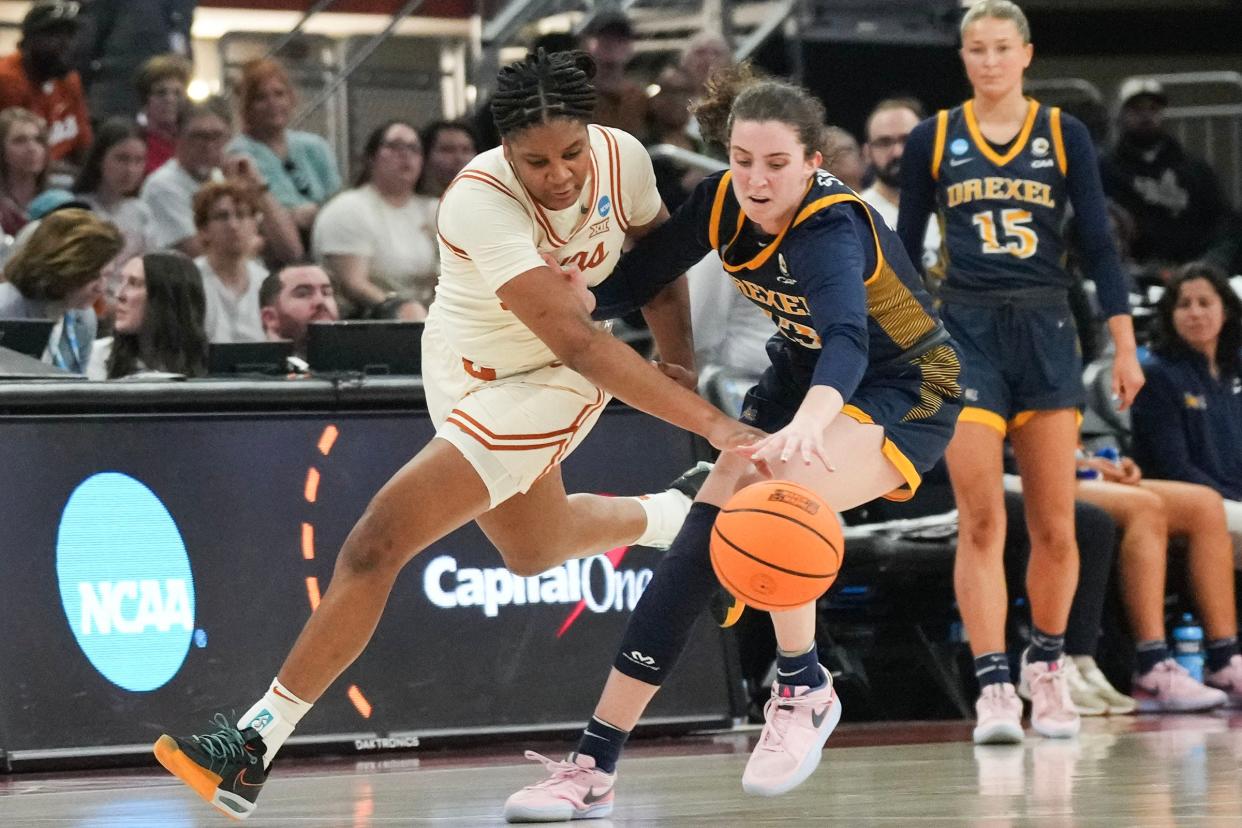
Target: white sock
x,y
274,716
665,513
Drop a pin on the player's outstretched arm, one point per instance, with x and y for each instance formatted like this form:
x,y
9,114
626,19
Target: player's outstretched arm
x,y
541,299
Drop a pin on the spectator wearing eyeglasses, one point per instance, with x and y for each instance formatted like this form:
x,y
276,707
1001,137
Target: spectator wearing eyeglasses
x,y
226,214
298,166
888,127
378,240
204,130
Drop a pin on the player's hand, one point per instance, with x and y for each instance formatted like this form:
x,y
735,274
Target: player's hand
x,y
577,281
727,434
800,441
682,376
1127,379
1131,474
241,167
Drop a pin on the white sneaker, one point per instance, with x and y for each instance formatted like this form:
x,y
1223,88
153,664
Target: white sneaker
x,y
999,714
1228,679
1169,688
1119,704
1052,711
1084,697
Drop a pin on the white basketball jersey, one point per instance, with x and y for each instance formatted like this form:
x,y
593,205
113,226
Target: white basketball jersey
x,y
491,230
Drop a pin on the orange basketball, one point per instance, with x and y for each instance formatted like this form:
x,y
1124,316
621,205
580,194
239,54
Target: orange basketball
x,y
776,545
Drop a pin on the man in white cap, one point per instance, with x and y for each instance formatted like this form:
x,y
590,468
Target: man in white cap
x,y
1179,212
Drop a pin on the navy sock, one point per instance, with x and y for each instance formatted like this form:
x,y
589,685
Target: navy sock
x,y
1045,647
992,668
680,590
1219,651
800,670
602,742
1150,653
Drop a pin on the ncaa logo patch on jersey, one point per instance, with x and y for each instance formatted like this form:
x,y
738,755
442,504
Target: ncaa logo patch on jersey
x,y
959,147
1039,147
604,206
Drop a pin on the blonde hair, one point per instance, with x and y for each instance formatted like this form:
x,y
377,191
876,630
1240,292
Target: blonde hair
x,y
998,10
10,118
65,252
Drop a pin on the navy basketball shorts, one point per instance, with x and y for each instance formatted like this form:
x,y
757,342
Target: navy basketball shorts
x,y
1017,359
916,403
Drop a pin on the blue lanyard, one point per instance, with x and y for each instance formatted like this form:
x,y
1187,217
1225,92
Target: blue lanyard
x,y
70,335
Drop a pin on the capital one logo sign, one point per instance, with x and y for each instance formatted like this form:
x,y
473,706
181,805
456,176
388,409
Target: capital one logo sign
x,y
125,581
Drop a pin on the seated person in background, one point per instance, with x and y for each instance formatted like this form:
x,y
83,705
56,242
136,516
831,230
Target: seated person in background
x,y
159,321
1176,200
1187,421
109,183
298,166
58,274
23,166
888,127
1147,512
843,158
161,84
378,240
203,132
292,299
40,77
226,215
450,146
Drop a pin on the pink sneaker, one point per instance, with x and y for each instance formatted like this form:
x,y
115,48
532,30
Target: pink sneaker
x,y
1229,680
1168,688
1046,683
999,711
793,738
575,790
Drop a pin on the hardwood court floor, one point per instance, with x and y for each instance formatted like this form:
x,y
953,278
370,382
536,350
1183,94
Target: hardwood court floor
x,y
1167,771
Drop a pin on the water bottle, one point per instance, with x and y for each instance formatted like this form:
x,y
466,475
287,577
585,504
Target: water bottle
x,y
1110,454
1083,472
1188,646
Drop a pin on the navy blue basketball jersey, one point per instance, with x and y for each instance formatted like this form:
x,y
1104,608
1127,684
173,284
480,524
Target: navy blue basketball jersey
x,y
899,311
1001,212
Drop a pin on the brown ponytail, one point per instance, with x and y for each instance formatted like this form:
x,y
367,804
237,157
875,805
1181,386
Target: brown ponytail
x,y
737,93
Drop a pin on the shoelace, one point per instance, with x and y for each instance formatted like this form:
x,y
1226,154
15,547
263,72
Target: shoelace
x,y
226,744
560,769
778,721
1057,693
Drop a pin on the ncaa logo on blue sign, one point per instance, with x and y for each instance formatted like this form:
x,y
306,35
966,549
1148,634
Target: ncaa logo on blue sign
x,y
959,147
125,581
604,206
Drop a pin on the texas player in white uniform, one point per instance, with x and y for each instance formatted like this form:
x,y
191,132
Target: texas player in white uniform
x,y
516,373
495,390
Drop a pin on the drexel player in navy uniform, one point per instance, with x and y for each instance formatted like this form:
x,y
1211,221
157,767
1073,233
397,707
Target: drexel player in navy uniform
x,y
998,171
860,399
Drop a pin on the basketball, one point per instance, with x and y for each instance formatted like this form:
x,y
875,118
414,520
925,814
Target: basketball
x,y
776,545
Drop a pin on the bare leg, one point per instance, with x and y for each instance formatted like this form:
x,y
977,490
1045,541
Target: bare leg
x,y
1144,540
387,536
863,474
1045,450
544,527
1199,513
975,468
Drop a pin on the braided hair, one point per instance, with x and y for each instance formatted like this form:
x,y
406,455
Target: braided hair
x,y
541,87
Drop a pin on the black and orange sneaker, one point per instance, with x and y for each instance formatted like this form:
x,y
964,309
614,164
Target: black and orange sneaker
x,y
225,767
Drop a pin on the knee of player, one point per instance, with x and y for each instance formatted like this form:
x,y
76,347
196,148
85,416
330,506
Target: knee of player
x,y
1146,509
1209,510
371,549
528,561
1055,539
983,531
